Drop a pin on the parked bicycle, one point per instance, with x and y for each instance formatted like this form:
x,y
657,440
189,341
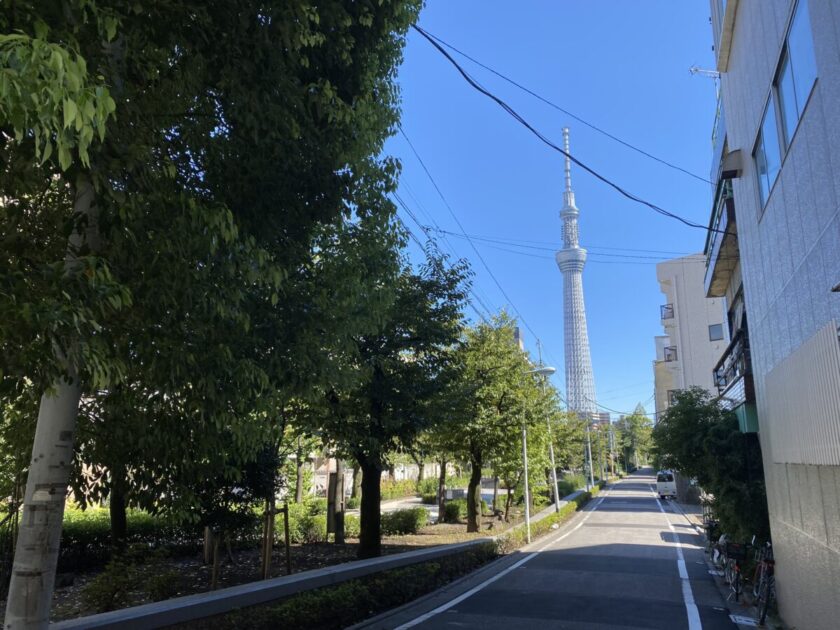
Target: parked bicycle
x,y
764,584
736,553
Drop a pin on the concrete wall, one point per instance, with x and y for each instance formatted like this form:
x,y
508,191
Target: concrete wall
x,y
790,260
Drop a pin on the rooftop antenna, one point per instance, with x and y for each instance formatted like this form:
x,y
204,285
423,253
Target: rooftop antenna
x,y
712,74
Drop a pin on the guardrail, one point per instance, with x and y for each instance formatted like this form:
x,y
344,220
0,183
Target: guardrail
x,y
203,605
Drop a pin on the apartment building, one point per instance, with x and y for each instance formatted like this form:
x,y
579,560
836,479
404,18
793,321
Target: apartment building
x,y
695,331
774,257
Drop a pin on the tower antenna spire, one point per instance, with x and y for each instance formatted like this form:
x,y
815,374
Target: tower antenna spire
x,y
568,194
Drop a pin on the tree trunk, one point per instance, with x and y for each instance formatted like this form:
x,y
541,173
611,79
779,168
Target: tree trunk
x,y
441,490
36,552
268,536
392,472
495,491
370,544
474,492
214,575
208,545
357,482
299,463
119,521
339,502
421,473
508,502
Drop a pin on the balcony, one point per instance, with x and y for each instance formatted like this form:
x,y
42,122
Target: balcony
x,y
667,311
734,379
670,353
722,252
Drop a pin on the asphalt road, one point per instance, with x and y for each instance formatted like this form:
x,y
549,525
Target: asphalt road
x,y
628,561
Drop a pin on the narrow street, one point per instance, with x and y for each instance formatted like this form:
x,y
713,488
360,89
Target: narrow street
x,y
628,561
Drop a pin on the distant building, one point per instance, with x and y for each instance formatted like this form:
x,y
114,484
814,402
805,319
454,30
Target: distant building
x,y
695,331
774,256
603,418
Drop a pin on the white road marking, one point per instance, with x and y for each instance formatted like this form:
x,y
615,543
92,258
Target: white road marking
x,y
476,589
688,596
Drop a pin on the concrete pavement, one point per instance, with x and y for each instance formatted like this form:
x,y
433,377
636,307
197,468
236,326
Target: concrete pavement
x,y
628,561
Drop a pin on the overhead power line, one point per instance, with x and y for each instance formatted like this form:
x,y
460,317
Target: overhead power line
x,y
556,148
483,316
568,113
464,233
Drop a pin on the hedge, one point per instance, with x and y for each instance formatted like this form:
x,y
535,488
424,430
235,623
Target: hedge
x,y
342,605
390,489
516,537
86,536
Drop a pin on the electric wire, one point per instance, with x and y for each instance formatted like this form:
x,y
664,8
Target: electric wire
x,y
477,86
568,113
464,232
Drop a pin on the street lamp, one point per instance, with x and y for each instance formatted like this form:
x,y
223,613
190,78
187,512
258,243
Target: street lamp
x,y
545,372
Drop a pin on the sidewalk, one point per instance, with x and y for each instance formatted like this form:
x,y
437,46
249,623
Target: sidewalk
x,y
742,613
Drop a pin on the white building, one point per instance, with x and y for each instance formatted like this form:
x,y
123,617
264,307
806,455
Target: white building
x,y
776,168
695,332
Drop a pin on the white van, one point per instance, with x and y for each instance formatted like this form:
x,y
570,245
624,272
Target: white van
x,y
665,484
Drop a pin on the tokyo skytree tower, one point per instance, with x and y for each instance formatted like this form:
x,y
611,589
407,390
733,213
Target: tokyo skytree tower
x,y
580,383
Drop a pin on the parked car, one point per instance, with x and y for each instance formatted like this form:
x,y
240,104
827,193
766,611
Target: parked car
x,y
666,487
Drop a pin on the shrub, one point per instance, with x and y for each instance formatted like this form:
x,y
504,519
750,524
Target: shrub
x,y
401,522
315,529
452,511
353,503
316,506
429,499
390,489
352,526
111,589
307,522
429,485
163,585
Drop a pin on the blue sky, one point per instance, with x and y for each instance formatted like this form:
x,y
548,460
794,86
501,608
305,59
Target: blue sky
x,y
622,66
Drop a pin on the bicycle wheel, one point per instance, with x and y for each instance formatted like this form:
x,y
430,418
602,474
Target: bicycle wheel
x,y
765,598
758,581
729,571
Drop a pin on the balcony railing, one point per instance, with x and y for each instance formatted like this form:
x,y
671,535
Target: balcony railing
x,y
733,373
670,353
667,311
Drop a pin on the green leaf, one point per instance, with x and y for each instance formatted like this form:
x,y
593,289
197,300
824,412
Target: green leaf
x,y
70,111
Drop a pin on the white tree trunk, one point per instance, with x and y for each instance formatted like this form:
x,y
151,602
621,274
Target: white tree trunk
x,y
36,553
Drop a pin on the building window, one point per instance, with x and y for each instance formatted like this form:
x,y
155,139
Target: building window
x,y
797,72
670,353
672,397
767,155
715,332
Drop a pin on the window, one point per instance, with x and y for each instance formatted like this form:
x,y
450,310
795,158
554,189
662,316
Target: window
x,y
671,353
715,332
767,155
797,71
665,477
672,396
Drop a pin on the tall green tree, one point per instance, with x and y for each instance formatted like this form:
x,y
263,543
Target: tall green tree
x,y
402,365
495,399
250,125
